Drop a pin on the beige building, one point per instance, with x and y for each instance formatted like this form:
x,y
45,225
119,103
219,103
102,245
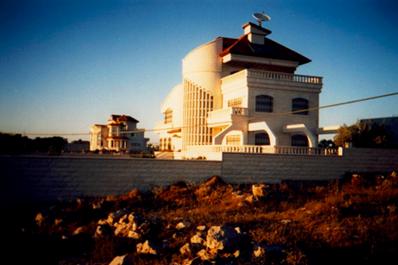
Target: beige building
x,y
240,95
170,127
120,134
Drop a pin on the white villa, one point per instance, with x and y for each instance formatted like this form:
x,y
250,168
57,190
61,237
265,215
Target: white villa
x,y
241,95
120,134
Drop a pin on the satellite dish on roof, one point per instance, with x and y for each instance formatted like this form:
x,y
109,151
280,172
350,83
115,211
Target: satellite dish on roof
x,y
260,17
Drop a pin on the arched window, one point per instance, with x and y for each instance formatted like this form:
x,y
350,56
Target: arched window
x,y
300,104
299,140
261,139
264,103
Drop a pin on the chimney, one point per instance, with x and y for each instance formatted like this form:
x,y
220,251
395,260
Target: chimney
x,y
255,33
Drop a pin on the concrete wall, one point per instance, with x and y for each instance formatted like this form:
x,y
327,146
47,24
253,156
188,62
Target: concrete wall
x,y
35,178
272,168
238,167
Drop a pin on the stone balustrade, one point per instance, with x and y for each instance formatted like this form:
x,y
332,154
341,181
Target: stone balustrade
x,y
214,152
285,77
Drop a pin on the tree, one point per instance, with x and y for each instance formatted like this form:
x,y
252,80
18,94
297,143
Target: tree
x,y
18,144
344,135
362,134
326,144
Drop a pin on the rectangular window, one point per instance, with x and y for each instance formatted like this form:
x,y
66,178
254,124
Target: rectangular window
x,y
99,140
168,116
115,131
233,139
236,102
264,103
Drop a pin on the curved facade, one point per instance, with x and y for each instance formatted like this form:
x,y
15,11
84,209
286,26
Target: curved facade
x,y
201,70
202,67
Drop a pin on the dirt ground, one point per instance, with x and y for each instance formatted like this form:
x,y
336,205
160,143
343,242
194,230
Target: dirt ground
x,y
352,220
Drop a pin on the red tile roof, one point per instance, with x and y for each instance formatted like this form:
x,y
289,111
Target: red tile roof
x,y
270,49
116,117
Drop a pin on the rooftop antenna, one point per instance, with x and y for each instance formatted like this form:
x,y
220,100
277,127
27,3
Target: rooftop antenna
x,y
260,17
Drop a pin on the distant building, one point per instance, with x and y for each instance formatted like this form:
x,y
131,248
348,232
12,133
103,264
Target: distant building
x,y
390,124
120,134
240,94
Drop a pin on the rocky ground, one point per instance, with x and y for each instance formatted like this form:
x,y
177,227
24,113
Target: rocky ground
x,y
353,220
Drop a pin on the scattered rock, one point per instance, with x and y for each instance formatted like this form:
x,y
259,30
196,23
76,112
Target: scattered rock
x,y
39,219
146,248
182,225
185,250
109,220
118,260
97,204
79,230
203,254
201,228
133,235
249,199
221,238
134,194
198,239
286,221
259,191
131,226
258,251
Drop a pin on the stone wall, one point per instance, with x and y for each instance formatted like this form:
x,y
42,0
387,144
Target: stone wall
x,y
38,178
238,167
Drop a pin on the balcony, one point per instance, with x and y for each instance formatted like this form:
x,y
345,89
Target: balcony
x,y
214,152
258,77
285,77
224,116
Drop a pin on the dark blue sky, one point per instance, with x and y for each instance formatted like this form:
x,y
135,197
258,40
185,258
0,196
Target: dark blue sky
x,y
65,65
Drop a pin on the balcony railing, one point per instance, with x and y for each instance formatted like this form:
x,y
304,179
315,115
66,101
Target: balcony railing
x,y
285,77
295,150
203,150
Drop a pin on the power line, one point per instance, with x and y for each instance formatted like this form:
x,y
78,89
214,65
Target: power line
x,y
339,104
272,113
